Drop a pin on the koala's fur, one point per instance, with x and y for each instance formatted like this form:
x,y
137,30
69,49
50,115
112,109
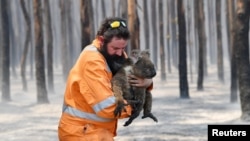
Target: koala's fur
x,y
138,97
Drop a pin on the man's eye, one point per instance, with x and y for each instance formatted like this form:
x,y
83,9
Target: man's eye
x,y
118,48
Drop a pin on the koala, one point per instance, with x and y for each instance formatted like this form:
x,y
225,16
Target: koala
x,y
121,86
139,98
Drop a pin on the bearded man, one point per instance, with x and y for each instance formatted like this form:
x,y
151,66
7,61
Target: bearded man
x,y
89,102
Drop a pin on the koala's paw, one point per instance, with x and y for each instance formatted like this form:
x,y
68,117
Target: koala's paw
x,y
119,108
150,115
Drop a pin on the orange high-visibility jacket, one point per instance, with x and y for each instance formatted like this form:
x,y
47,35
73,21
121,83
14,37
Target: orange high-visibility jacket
x,y
88,96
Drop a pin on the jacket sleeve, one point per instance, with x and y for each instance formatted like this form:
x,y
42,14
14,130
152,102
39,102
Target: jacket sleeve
x,y
100,95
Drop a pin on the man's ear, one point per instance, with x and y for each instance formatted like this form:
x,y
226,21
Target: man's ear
x,y
101,39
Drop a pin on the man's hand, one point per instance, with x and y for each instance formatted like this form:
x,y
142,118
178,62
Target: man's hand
x,y
139,82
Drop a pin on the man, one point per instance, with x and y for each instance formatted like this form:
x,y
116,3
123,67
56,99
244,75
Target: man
x,y
89,103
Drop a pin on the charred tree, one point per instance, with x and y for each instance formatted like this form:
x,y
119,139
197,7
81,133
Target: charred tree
x,y
42,96
212,33
146,24
137,27
1,49
233,65
204,40
220,63
189,38
131,17
168,39
201,47
70,33
65,51
113,7
241,27
154,31
133,25
183,82
162,47
123,9
86,19
26,45
174,36
103,8
32,41
14,39
48,26
5,50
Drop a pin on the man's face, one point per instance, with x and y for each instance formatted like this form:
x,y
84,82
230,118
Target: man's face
x,y
116,46
113,53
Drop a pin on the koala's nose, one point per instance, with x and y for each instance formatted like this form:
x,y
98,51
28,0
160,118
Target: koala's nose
x,y
153,73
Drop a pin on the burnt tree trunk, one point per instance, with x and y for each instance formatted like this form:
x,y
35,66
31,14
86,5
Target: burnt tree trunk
x,y
86,18
168,38
42,96
233,65
137,28
5,50
242,55
201,37
113,7
32,40
103,8
220,63
162,47
26,45
131,17
212,33
133,25
14,40
183,82
174,40
123,10
1,49
190,43
146,24
65,51
154,31
50,76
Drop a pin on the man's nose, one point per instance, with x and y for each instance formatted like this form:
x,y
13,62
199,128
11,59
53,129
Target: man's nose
x,y
119,52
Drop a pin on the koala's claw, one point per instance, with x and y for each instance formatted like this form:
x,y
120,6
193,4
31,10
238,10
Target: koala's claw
x,y
150,115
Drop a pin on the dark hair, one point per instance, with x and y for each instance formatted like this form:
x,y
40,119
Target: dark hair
x,y
108,32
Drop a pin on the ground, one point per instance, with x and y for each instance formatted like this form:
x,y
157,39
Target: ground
x,y
178,119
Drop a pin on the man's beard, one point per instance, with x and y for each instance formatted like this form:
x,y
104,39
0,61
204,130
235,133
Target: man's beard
x,y
115,62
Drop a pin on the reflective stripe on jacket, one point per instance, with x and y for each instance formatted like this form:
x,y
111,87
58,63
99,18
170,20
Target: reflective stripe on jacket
x,y
88,96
